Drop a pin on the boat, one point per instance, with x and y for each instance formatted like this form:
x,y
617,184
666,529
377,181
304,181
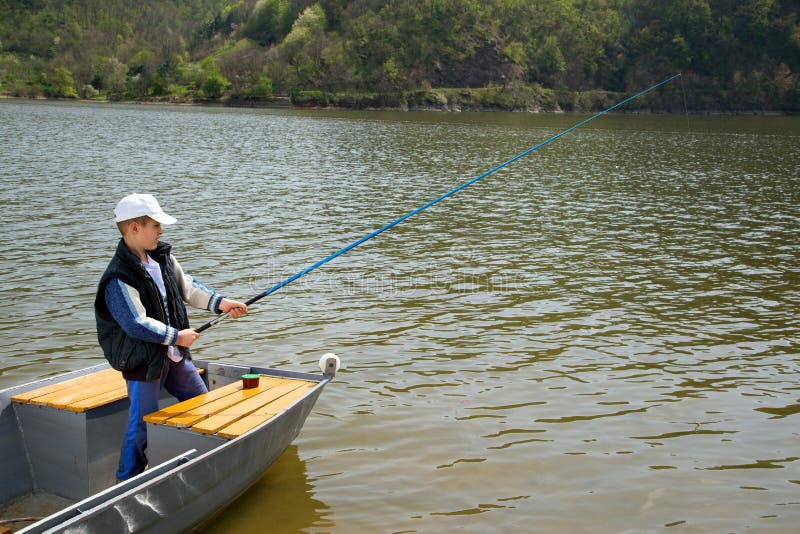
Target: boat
x,y
61,438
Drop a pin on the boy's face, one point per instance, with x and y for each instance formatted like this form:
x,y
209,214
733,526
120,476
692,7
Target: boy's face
x,y
145,235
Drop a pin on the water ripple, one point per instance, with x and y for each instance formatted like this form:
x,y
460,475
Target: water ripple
x,y
602,333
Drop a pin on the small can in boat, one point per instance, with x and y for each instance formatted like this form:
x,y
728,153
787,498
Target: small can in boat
x,y
250,381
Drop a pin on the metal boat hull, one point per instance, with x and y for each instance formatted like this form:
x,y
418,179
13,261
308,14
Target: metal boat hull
x,y
187,488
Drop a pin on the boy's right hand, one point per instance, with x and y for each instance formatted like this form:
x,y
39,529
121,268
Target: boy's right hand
x,y
186,337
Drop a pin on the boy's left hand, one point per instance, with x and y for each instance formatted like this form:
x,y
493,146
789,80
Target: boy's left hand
x,y
233,308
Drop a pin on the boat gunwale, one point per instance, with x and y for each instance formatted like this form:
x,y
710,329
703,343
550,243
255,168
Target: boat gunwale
x,y
110,493
53,379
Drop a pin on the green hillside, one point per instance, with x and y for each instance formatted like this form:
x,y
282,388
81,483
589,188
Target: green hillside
x,y
470,54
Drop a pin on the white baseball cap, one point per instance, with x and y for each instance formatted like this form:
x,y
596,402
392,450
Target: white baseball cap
x,y
137,205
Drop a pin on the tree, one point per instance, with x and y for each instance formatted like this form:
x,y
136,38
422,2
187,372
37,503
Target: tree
x,y
241,64
271,21
262,89
734,54
60,84
215,85
304,45
548,58
111,75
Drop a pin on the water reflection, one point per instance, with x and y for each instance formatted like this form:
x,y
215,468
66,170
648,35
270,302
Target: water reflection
x,y
264,505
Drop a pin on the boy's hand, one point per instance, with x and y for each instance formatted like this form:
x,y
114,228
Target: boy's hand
x,y
186,337
233,308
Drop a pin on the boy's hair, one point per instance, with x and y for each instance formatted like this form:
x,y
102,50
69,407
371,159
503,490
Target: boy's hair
x,y
123,225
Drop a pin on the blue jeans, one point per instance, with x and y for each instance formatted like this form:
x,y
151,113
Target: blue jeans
x,y
181,380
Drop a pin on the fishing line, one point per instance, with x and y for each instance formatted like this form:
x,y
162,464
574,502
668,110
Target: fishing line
x,y
452,192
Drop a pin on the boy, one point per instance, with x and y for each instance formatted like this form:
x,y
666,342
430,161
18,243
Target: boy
x,y
142,324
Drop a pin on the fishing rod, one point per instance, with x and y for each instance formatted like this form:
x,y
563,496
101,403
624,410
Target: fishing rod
x,y
351,246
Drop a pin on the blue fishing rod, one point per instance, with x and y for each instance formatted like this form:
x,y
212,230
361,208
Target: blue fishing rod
x,y
351,246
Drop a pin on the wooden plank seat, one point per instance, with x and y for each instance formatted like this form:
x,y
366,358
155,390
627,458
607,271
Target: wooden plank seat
x,y
231,410
79,394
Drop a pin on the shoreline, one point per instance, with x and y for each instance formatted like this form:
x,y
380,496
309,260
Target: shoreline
x,y
279,102
284,102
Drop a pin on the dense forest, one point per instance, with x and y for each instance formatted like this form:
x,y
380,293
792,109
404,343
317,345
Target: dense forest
x,y
735,55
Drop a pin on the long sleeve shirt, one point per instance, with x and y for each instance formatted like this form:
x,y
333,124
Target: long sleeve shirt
x,y
126,307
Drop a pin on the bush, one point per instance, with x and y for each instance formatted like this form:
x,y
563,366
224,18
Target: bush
x,y
89,91
347,99
260,90
310,98
27,90
215,85
427,97
60,84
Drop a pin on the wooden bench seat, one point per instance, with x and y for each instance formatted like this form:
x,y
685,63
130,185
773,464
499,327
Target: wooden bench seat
x,y
230,411
79,394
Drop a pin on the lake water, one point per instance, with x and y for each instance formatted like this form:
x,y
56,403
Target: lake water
x,y
605,333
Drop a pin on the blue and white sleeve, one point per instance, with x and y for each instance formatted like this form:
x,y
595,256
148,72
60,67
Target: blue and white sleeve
x,y
126,307
195,293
